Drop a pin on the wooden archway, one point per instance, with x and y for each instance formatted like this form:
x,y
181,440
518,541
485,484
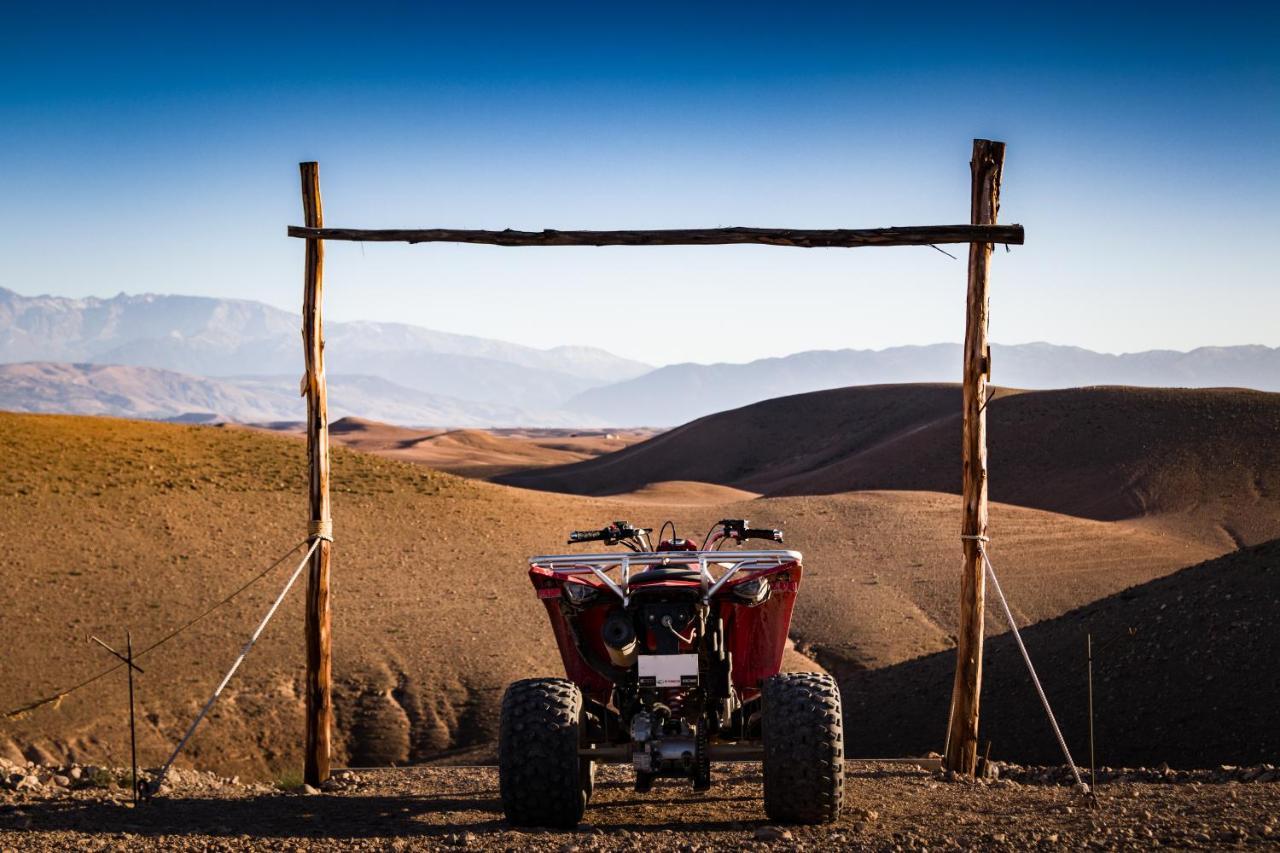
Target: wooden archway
x,y
981,234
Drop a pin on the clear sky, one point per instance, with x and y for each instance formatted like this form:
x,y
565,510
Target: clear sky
x,y
156,149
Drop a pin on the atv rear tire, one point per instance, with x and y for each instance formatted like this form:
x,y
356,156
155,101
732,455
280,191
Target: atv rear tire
x,y
803,732
542,779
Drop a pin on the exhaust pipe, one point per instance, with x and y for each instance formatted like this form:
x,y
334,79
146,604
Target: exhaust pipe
x,y
619,637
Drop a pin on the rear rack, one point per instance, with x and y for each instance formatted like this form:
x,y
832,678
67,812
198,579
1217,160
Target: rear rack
x,y
601,564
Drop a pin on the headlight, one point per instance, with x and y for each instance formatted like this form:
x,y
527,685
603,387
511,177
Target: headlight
x,y
752,592
580,593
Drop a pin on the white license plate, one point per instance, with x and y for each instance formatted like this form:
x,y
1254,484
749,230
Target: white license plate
x,y
668,670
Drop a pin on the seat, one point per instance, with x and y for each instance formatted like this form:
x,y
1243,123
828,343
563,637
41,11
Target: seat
x,y
658,574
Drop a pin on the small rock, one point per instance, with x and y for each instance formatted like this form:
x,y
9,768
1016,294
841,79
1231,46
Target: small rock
x,y
307,789
76,773
62,781
772,833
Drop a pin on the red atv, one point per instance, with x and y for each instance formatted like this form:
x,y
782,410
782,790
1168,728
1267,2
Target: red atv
x,y
672,657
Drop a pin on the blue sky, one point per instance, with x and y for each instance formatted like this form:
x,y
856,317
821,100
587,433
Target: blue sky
x,y
155,148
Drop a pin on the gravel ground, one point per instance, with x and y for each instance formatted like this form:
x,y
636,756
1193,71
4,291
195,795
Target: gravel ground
x,y
887,807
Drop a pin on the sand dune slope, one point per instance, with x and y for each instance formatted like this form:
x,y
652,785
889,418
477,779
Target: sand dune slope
x,y
479,453
1184,673
1201,461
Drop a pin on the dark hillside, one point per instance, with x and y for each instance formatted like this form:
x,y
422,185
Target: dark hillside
x,y
1185,672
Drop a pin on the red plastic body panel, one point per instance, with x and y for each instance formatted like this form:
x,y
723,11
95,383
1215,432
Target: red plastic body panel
x,y
576,669
755,636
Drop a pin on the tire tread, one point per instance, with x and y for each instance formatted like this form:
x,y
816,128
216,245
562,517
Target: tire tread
x,y
803,748
539,771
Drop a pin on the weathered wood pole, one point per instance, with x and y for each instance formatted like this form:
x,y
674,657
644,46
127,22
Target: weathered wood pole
x,y
319,653
913,235
962,734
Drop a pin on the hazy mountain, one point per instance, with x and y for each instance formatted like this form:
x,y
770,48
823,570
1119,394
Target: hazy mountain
x,y
225,337
682,392
145,392
410,375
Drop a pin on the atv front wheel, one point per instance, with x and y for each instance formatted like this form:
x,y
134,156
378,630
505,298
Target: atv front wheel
x,y
542,779
803,730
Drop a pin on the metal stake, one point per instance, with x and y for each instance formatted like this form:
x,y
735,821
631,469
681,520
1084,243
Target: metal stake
x,y
1093,772
133,733
130,666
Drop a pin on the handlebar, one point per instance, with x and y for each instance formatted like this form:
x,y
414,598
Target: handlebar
x,y
611,535
637,538
737,529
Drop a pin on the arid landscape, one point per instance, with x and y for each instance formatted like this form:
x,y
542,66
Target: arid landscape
x,y
118,525
524,427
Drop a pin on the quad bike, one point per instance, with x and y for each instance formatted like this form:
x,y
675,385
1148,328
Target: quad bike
x,y
672,657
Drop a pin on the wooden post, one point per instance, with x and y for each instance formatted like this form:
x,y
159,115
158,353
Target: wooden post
x,y
319,653
962,734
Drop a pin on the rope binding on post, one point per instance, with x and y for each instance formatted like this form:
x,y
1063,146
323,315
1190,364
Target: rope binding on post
x,y
320,530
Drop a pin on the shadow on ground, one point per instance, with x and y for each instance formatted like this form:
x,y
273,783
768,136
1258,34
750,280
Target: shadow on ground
x,y
351,816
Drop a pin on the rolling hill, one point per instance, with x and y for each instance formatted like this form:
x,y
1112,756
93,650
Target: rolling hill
x,y
470,452
1196,459
1183,674
112,525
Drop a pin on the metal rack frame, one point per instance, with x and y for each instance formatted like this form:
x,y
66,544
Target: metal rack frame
x,y
732,562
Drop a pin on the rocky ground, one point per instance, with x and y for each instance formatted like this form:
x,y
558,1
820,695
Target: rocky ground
x,y
887,807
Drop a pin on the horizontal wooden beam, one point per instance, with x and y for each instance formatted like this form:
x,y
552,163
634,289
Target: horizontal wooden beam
x,y
924,235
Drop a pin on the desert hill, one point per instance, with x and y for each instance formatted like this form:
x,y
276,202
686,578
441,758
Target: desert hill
x,y
1184,673
470,452
111,525
1203,460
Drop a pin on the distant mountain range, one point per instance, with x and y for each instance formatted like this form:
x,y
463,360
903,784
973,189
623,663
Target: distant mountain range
x,y
205,358
388,371
146,392
226,337
682,392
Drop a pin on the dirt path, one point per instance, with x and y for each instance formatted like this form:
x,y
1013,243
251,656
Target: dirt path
x,y
886,808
